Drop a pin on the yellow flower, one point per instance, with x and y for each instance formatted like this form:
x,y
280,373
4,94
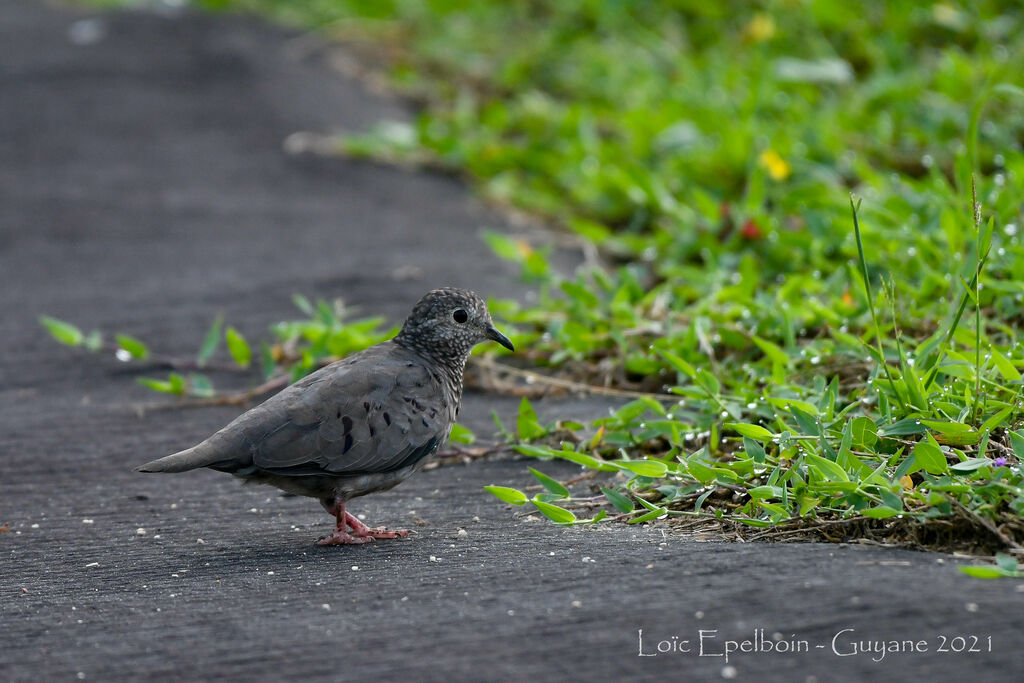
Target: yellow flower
x,y
777,167
525,250
760,28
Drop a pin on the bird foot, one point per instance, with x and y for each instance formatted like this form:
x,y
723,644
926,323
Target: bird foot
x,y
382,532
343,538
360,530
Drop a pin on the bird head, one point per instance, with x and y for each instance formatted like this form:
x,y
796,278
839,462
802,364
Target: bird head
x,y
447,323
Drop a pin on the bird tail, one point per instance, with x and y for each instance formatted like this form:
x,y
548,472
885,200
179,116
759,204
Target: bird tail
x,y
182,461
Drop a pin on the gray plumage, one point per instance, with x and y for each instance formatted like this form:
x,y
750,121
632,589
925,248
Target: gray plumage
x,y
362,424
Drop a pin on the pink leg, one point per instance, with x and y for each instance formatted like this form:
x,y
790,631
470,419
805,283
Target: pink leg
x,y
340,535
362,531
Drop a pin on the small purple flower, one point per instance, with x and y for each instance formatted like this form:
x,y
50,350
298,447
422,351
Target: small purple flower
x,y
999,462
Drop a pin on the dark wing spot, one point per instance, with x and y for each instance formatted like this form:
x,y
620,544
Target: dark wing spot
x,y
339,413
346,422
372,431
387,419
425,423
366,406
348,444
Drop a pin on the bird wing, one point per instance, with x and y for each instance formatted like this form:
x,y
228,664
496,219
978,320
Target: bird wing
x,y
375,414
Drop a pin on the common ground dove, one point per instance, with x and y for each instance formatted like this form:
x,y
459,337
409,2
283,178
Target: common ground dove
x,y
361,424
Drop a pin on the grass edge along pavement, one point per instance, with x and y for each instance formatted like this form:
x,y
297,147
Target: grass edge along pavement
x,y
772,404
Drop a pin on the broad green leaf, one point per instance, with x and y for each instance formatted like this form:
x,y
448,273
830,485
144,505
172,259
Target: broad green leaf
x,y
211,342
708,382
645,468
750,521
908,465
649,506
699,470
1017,442
996,420
834,486
773,351
630,411
902,428
678,363
951,428
789,403
527,426
649,515
1005,367
571,456
880,512
200,385
807,422
556,514
593,232
755,432
621,502
134,347
830,470
581,294
178,383
586,461
174,384
930,457
754,450
701,498
1006,562
506,494
536,451
864,431
550,484
778,511
303,304
765,492
890,499
971,464
983,572
326,314
461,434
64,332
160,385
93,341
238,347
503,246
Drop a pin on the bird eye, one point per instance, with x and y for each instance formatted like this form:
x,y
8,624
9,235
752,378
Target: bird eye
x,y
460,316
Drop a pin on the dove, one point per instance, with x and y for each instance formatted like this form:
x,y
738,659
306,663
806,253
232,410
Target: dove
x,y
362,424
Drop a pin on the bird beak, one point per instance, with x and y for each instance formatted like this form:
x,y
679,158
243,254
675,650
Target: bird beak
x,y
499,337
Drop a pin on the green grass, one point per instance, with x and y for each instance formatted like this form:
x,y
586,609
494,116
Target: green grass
x,y
797,368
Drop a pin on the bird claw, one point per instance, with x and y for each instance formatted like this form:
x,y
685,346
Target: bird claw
x,y
343,538
381,532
